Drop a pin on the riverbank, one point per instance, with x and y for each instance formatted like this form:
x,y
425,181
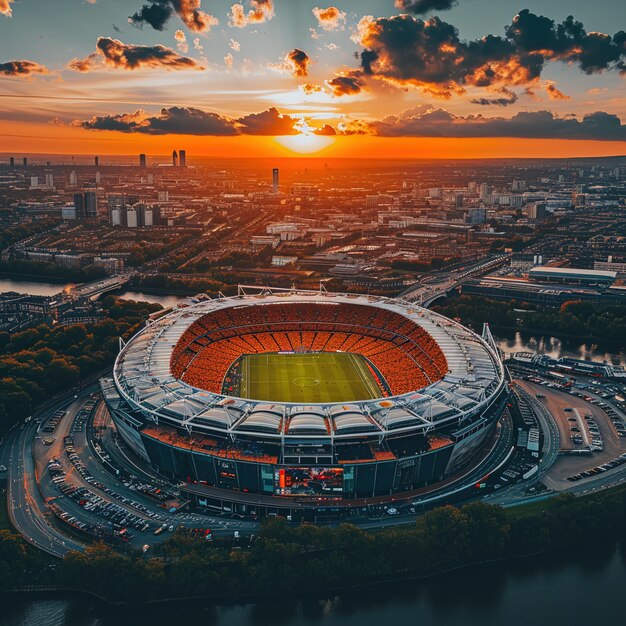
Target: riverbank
x,y
549,590
311,560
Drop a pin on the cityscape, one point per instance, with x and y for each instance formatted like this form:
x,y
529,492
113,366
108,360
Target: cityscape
x,y
256,361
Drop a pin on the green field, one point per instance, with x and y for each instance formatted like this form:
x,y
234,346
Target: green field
x,y
316,377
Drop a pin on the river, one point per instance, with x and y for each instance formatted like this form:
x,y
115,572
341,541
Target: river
x,y
577,590
49,289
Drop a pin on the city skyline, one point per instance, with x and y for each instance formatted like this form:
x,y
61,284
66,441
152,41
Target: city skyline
x,y
410,79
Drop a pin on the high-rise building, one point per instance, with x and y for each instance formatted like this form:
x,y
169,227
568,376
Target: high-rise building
x,y
91,204
182,158
34,182
96,161
174,158
86,205
131,217
536,211
49,180
12,161
275,180
73,178
25,161
142,160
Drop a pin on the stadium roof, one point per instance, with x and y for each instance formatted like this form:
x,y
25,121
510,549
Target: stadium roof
x,y
144,379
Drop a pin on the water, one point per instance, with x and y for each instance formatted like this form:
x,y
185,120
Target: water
x,y
31,287
556,348
550,589
50,289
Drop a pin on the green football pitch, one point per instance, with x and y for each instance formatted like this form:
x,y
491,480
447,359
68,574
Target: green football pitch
x,y
315,377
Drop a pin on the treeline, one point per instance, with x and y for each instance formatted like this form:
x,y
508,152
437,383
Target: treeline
x,y
285,560
38,362
19,563
184,284
576,318
28,267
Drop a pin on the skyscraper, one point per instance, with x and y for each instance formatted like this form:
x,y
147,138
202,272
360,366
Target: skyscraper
x,y
182,154
25,161
174,158
96,161
86,205
91,204
275,180
142,160
12,161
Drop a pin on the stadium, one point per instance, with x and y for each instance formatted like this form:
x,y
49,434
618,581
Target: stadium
x,y
300,402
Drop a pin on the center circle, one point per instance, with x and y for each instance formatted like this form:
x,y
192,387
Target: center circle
x,y
306,381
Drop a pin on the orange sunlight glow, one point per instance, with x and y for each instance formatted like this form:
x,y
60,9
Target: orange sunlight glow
x,y
305,142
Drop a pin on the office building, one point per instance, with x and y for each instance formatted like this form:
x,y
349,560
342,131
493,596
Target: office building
x,y
86,205
275,180
182,158
142,160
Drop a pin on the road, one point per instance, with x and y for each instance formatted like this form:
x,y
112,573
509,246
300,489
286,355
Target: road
x,y
27,510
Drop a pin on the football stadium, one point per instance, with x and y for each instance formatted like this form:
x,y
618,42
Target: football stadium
x,y
300,402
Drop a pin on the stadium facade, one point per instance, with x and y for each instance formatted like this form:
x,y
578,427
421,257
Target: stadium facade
x,y
442,391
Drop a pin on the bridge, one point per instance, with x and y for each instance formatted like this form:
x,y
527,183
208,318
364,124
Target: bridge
x,y
98,287
434,286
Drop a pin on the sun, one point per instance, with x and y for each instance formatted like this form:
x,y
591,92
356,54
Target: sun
x,y
306,141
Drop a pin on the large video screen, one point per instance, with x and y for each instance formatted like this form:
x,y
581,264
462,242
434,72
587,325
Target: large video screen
x,y
308,481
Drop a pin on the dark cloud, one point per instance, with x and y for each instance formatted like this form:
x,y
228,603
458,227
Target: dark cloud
x,y
193,121
505,99
429,54
131,57
419,7
21,68
173,120
431,122
269,122
298,62
348,83
157,13
568,41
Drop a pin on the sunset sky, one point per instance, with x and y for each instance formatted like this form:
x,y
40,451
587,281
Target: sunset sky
x,y
355,78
